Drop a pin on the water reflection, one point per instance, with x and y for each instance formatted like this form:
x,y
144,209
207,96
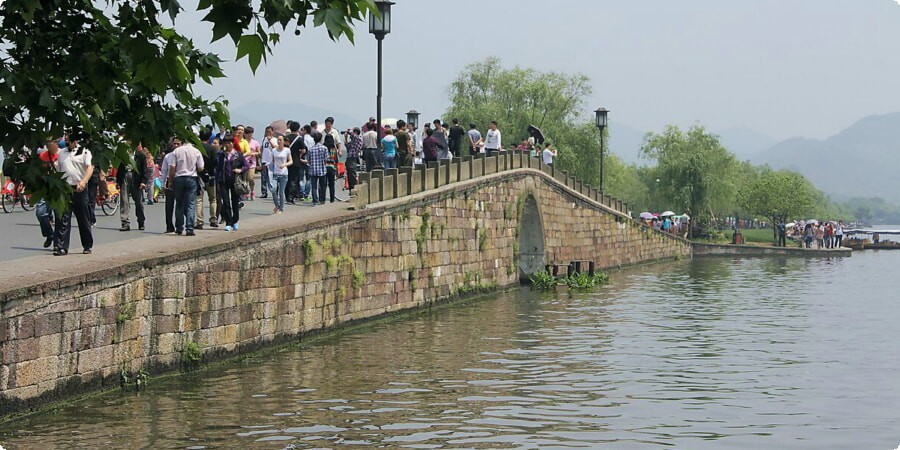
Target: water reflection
x,y
716,353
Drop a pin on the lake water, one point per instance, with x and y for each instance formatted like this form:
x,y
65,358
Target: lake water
x,y
711,353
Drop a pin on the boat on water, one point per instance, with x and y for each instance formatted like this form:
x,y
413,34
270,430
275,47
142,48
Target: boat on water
x,y
859,239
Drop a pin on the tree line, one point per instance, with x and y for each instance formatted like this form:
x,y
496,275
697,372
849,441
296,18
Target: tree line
x,y
686,170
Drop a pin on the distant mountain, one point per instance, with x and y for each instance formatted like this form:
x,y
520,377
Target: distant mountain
x,y
260,113
861,161
745,143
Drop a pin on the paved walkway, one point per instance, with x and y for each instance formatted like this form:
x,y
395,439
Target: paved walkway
x,y
25,262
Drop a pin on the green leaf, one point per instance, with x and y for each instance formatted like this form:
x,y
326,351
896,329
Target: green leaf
x,y
251,46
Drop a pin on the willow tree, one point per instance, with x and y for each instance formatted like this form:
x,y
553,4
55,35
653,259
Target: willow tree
x,y
111,72
519,97
694,172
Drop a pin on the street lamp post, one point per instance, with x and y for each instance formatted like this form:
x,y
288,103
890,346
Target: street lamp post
x,y
602,121
380,26
412,119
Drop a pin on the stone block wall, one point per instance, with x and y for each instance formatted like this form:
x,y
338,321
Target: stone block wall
x,y
80,334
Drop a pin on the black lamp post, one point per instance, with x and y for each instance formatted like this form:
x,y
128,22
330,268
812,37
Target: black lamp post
x,y
412,119
380,26
602,121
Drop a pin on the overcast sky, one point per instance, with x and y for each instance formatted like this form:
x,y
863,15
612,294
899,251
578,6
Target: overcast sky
x,y
784,68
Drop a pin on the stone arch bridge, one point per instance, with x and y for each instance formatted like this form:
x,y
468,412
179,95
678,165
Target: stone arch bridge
x,y
413,237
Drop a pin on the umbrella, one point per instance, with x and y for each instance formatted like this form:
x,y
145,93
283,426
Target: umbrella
x,y
646,215
813,221
536,133
667,213
790,225
279,126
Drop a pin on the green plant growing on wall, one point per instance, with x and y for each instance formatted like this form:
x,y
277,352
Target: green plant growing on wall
x,y
345,261
126,313
507,212
359,278
309,251
330,263
422,234
342,291
191,355
482,240
520,203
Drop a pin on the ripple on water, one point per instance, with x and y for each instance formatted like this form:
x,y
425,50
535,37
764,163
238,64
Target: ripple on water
x,y
704,354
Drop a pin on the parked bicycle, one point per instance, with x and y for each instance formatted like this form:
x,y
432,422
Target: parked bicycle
x,y
14,192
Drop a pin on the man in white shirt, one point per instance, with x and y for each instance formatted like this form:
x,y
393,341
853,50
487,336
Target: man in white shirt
x,y
335,134
75,162
370,150
548,154
182,177
492,141
268,143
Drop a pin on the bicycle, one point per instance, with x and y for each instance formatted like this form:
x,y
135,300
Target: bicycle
x,y
109,203
14,192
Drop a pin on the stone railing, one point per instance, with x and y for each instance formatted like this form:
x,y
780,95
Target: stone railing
x,y
381,185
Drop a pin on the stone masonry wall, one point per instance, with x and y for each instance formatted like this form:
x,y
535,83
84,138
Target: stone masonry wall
x,y
401,254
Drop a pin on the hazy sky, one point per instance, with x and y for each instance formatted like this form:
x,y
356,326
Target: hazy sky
x,y
782,67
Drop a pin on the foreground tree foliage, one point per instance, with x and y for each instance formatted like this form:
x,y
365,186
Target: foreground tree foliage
x,y
113,75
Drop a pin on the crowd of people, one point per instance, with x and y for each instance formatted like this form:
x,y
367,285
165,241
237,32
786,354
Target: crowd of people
x,y
293,164
812,233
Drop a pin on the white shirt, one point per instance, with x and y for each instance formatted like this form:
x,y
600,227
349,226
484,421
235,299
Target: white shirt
x,y
493,140
168,160
74,166
370,139
308,140
267,146
279,158
548,156
188,161
335,134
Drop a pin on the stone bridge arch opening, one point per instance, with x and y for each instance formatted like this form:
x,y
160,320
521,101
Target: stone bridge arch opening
x,y
531,240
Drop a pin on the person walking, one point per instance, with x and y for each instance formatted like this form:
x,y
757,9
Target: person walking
x,y
354,150
839,234
229,167
208,184
268,143
331,161
493,142
75,162
389,144
44,213
131,179
167,162
251,158
316,159
279,162
295,144
183,178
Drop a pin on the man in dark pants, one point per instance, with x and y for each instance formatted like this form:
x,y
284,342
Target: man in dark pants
x,y
456,137
782,235
294,141
132,179
183,174
169,190
76,165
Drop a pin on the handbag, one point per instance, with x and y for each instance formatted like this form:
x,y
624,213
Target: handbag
x,y
241,186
